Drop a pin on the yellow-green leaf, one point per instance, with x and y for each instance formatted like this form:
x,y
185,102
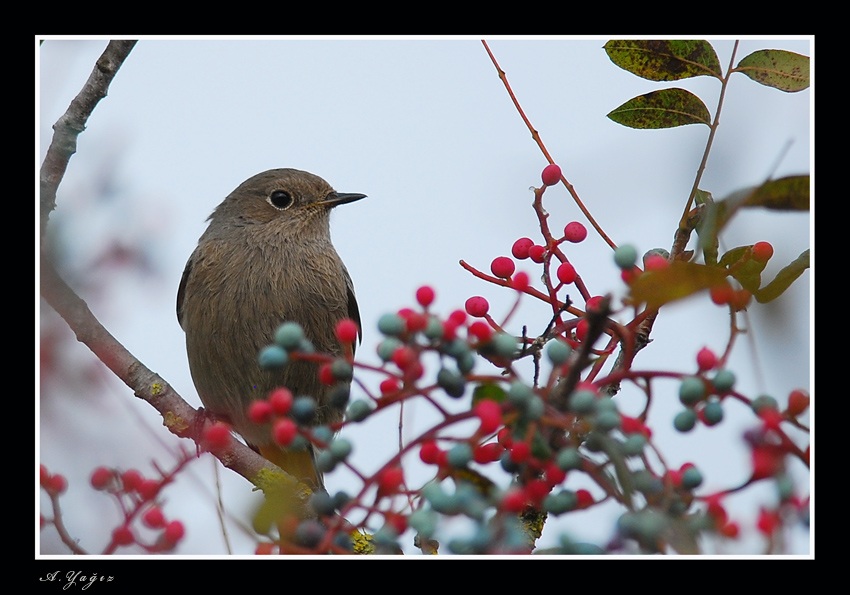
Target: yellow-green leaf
x,y
706,229
664,60
676,281
780,69
790,193
783,279
785,194
667,108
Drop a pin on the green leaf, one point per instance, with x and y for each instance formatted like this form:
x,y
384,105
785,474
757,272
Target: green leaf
x,y
676,281
779,69
734,255
790,193
783,279
785,194
664,60
748,272
666,108
708,241
703,197
493,392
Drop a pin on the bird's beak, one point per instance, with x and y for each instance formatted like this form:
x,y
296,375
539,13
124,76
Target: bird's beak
x,y
340,198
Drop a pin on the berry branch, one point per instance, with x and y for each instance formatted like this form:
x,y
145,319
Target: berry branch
x,y
536,136
507,454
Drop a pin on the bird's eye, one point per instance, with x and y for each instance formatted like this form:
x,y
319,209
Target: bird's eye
x,y
280,199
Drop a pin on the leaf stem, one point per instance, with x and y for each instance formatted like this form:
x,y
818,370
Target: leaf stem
x,y
684,231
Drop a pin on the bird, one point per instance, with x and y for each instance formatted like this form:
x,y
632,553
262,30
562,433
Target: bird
x,y
265,258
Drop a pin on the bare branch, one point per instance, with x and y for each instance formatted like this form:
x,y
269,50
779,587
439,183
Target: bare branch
x,y
178,416
73,122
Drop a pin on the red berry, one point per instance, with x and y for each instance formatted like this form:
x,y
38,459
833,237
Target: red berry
x,y
575,232
326,375
629,275
520,281
260,412
414,371
503,267
44,475
131,480
716,510
174,532
284,431
730,530
654,262
264,549
584,498
487,453
520,452
281,400
102,478
396,521
551,174
153,517
346,331
425,295
477,306
592,303
740,299
766,462
566,273
404,357
554,474
415,322
771,418
504,437
768,521
57,483
390,480
537,489
217,436
389,385
762,251
675,477
123,535
148,489
798,402
706,359
514,500
450,330
537,253
481,331
521,247
722,294
457,317
632,425
429,452
490,415
581,329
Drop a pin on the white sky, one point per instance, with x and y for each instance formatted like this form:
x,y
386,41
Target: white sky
x,y
425,128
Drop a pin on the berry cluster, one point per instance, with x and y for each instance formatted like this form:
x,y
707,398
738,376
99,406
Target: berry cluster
x,y
538,433
143,525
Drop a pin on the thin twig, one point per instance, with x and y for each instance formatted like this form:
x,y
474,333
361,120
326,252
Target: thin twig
x,y
73,122
536,136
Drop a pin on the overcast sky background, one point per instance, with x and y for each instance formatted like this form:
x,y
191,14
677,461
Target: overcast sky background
x,y
425,128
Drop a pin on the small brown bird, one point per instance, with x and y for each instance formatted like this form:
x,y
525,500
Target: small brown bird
x,y
266,258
